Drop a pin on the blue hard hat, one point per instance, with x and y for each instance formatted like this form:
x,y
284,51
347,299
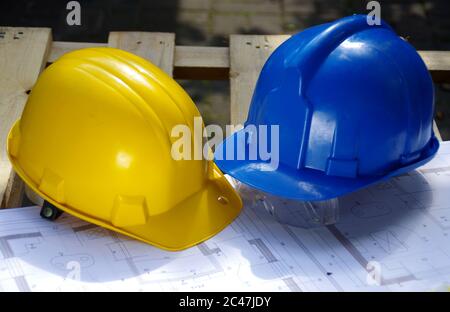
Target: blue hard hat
x,y
354,105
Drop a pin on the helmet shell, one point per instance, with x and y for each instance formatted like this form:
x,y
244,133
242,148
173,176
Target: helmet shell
x,y
354,104
95,140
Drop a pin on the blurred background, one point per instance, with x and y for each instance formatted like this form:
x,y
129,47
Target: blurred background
x,y
424,23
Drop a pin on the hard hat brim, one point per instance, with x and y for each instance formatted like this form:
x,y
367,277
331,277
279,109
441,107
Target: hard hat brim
x,y
304,184
192,221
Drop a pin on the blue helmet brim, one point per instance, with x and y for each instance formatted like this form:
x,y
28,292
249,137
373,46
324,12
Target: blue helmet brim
x,y
304,184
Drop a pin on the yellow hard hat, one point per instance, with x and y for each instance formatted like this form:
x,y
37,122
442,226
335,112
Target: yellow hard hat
x,y
95,141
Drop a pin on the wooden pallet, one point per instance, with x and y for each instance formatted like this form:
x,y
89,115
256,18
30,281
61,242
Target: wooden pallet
x,y
24,52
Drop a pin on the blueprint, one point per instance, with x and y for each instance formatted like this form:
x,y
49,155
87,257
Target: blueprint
x,y
393,236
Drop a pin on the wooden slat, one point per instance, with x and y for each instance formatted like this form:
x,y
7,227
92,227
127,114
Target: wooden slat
x,y
159,48
438,63
184,56
188,56
62,47
207,63
23,54
436,60
213,62
14,192
436,131
248,53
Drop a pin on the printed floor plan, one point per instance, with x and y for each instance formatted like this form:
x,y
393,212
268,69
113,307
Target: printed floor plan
x,y
393,236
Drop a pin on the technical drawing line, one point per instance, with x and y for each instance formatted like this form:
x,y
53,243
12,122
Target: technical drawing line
x,y
267,236
340,261
348,246
434,170
84,227
127,257
5,246
352,250
436,221
138,274
400,188
263,249
8,253
209,253
312,257
22,284
291,284
206,251
387,240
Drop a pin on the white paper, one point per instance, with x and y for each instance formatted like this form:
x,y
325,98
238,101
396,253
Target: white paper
x,y
391,237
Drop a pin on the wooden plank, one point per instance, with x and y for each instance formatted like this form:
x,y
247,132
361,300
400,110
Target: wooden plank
x,y
14,192
159,48
205,63
62,47
436,60
184,56
209,63
188,56
248,53
23,54
437,133
213,62
438,63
